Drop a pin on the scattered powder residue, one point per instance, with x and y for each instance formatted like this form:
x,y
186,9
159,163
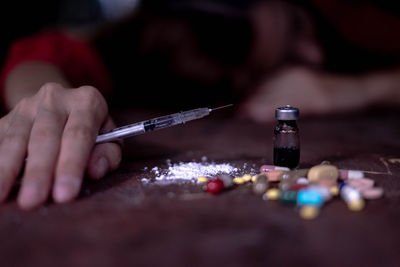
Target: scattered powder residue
x,y
189,171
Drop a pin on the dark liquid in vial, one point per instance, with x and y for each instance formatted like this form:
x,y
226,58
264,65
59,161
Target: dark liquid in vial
x,y
287,157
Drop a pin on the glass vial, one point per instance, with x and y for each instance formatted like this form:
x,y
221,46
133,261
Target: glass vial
x,y
286,137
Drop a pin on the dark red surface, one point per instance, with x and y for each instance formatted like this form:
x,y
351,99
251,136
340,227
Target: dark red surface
x,y
120,221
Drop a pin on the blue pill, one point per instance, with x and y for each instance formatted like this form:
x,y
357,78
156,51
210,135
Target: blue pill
x,y
309,197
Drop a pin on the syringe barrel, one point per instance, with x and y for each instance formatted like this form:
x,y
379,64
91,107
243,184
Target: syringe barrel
x,y
174,119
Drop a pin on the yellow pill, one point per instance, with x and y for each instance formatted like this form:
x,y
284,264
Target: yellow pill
x,y
238,180
272,194
247,178
328,172
356,205
202,179
334,190
309,212
254,178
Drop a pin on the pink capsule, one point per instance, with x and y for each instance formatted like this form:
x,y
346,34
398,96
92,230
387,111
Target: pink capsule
x,y
268,168
350,174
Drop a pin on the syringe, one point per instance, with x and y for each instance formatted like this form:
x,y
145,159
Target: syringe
x,y
155,124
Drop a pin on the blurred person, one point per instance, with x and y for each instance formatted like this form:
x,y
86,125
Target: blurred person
x,y
257,54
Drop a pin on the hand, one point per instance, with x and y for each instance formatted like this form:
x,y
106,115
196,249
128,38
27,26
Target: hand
x,y
55,130
312,92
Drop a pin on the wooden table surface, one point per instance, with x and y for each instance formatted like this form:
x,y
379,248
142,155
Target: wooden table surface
x,y
120,221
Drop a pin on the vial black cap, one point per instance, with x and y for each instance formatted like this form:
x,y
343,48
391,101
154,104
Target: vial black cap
x,y
287,113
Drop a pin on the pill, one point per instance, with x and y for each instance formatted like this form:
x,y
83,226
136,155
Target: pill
x,y
272,194
326,182
350,174
361,183
323,190
267,168
334,190
297,187
309,212
274,176
261,184
294,174
372,193
350,194
309,197
238,180
288,196
318,172
214,186
246,178
356,205
254,178
202,179
302,180
218,184
227,179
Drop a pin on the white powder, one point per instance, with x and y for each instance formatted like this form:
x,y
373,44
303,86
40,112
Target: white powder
x,y
189,171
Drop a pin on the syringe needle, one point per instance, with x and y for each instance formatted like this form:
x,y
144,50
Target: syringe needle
x,y
212,109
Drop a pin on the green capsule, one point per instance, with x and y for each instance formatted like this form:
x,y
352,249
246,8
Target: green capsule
x,y
289,197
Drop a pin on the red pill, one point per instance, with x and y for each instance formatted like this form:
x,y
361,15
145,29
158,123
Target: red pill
x,y
215,186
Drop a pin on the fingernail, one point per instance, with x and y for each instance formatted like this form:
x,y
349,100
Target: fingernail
x,y
101,168
66,188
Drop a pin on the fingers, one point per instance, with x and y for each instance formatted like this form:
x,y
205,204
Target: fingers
x,y
43,149
13,149
77,142
104,157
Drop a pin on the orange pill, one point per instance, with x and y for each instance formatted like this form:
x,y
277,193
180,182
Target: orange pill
x,y
274,176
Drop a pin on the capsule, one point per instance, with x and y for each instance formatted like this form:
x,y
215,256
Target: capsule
x,y
214,186
238,180
352,197
289,197
372,193
217,185
325,171
202,179
309,197
273,176
323,190
246,178
361,183
261,184
267,168
294,175
350,174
